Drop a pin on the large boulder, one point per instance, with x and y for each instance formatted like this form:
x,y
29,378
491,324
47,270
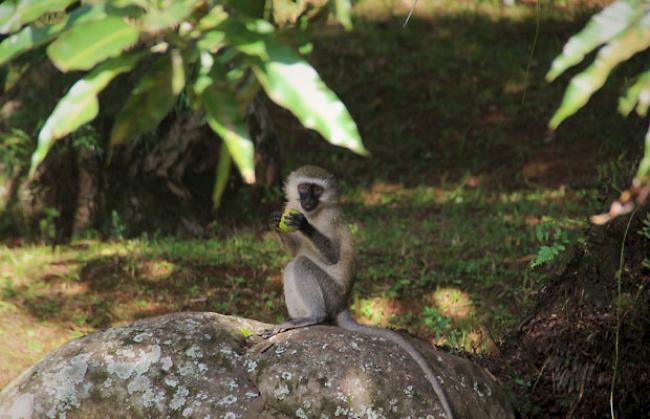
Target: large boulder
x,y
207,365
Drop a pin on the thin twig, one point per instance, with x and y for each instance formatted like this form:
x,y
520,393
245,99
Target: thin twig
x,y
532,52
408,17
619,274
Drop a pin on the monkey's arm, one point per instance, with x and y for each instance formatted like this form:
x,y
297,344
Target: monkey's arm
x,y
324,245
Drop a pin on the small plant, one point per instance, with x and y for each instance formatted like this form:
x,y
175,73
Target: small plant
x,y
558,239
397,288
15,147
8,290
435,321
47,224
118,228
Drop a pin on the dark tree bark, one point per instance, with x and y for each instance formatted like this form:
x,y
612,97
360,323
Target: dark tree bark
x,y
565,349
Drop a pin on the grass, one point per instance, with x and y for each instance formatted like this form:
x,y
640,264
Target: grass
x,y
445,213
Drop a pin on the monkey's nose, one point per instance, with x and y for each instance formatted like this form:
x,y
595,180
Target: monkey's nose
x,y
308,205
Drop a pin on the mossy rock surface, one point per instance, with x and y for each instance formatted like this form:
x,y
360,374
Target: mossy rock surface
x,y
203,365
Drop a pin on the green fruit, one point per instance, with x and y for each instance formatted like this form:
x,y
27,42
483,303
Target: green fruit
x,y
283,225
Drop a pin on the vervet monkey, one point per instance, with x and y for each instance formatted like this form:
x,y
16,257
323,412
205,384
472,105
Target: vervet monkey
x,y
318,280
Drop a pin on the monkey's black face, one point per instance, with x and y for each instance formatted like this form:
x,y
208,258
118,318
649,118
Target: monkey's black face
x,y
309,195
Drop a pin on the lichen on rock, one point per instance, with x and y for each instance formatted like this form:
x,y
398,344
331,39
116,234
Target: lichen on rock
x,y
198,365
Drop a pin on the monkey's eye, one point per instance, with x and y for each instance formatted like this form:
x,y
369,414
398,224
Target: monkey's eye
x,y
303,188
317,190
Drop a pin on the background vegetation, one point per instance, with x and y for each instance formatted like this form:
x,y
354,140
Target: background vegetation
x,y
465,214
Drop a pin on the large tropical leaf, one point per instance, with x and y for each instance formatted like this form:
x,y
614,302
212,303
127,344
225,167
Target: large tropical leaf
x,y
643,172
292,83
80,104
604,26
28,38
222,175
151,100
633,39
15,13
225,117
342,10
89,43
34,36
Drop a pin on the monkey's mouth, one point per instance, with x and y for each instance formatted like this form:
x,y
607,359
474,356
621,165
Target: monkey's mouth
x,y
308,205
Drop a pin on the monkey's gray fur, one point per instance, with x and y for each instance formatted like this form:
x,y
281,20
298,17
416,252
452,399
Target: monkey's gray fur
x,y
318,280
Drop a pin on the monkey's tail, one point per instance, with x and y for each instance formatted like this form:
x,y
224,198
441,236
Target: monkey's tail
x,y
345,321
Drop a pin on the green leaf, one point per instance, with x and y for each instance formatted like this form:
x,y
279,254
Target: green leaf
x,y
342,10
205,77
28,38
634,39
158,20
221,178
246,332
211,41
215,16
34,36
639,93
80,104
292,83
88,43
152,99
178,72
602,27
15,13
547,254
643,172
225,117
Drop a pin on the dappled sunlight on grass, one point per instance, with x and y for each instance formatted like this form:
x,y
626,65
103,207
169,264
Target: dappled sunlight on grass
x,y
73,290
453,260
374,310
452,302
446,316
158,270
424,10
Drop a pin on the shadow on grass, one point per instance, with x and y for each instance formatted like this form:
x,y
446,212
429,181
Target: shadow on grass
x,y
115,289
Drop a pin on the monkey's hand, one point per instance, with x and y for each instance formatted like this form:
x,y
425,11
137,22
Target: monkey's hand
x,y
292,220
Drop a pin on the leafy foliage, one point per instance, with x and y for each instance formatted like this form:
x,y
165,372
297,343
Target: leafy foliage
x,y
217,54
435,321
14,146
558,239
621,30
